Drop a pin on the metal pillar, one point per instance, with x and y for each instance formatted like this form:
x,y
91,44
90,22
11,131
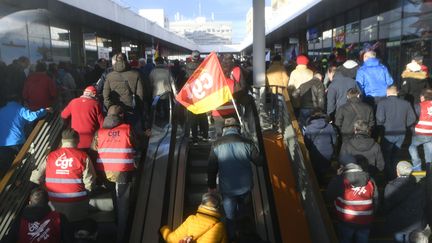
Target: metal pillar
x,y
258,47
77,45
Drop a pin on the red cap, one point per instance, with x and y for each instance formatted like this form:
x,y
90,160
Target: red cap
x,y
302,60
90,90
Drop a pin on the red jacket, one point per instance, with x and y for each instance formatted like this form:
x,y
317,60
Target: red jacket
x,y
115,149
64,175
424,125
86,118
46,230
40,91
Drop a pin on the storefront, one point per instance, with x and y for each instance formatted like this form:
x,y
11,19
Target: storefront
x,y
397,29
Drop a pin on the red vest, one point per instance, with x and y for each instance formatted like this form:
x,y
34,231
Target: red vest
x,y
227,109
46,230
424,125
356,205
64,175
115,150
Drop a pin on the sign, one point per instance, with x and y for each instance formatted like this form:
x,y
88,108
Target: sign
x,y
103,52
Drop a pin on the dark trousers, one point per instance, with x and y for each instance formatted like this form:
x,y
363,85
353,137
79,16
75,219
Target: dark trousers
x,y
349,234
7,156
391,146
121,196
201,121
219,124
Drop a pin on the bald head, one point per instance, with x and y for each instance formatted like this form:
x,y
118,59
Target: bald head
x,y
369,54
392,91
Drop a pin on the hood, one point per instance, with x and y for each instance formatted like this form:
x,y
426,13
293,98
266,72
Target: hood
x,y
111,122
119,66
357,179
362,142
34,213
372,62
414,75
345,72
213,212
318,123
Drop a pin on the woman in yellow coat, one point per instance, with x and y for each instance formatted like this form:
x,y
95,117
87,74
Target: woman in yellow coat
x,y
277,76
203,227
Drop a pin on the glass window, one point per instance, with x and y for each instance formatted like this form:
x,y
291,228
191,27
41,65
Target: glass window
x,y
390,20
60,42
352,29
39,40
369,29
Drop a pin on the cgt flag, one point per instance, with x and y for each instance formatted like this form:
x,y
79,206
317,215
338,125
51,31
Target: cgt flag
x,y
206,89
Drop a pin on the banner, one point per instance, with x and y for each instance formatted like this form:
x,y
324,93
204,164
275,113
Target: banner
x,y
206,89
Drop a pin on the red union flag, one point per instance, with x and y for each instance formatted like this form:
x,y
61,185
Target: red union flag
x,y
206,89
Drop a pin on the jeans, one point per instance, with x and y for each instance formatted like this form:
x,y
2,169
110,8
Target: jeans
x,y
236,207
401,237
121,196
349,234
391,146
418,140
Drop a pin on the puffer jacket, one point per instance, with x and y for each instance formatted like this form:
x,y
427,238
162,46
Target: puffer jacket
x,y
337,91
351,111
204,227
366,151
412,85
310,95
231,157
373,78
119,86
276,75
320,138
405,204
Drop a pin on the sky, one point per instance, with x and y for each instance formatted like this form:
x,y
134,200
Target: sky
x,y
224,10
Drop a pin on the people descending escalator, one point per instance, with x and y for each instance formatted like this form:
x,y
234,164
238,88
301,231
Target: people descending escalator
x,y
231,158
203,227
114,145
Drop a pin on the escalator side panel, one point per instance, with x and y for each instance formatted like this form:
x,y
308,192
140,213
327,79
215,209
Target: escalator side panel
x,y
292,220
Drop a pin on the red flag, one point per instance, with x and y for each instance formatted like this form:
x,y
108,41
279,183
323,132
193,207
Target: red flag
x,y
206,89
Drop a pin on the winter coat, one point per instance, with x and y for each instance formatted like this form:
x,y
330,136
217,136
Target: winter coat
x,y
86,118
13,118
404,204
35,213
350,112
40,91
204,227
320,138
337,92
310,95
300,75
336,186
373,78
231,157
94,75
412,85
161,80
14,80
119,87
395,115
366,151
276,75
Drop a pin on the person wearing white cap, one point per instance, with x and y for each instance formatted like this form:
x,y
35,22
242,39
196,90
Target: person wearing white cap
x,y
404,203
414,80
343,80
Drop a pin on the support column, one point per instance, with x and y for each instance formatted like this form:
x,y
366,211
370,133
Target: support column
x,y
77,45
258,47
116,44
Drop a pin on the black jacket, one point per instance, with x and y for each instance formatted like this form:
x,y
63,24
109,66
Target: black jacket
x,y
412,85
366,150
395,115
310,94
404,204
33,213
350,112
337,92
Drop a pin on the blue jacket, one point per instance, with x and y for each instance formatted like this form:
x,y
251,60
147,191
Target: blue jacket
x,y
13,118
320,138
373,78
231,156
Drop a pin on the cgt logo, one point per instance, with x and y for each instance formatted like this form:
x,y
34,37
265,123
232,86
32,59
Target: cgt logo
x,y
63,162
114,134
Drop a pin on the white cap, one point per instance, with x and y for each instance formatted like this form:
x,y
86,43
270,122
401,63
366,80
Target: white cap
x,y
413,66
349,64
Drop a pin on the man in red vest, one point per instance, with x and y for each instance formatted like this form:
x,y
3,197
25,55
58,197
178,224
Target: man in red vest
x,y
86,116
114,144
68,175
423,131
39,224
355,198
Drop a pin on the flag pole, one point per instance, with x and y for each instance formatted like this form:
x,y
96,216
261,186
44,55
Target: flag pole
x,y
235,108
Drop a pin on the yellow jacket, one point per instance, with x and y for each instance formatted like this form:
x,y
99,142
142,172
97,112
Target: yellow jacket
x,y
276,75
204,224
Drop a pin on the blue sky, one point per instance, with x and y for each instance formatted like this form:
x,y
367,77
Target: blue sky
x,y
228,10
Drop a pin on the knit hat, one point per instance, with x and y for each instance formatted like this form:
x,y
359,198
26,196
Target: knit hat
x,y
350,64
413,66
302,60
404,168
231,122
90,91
115,110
